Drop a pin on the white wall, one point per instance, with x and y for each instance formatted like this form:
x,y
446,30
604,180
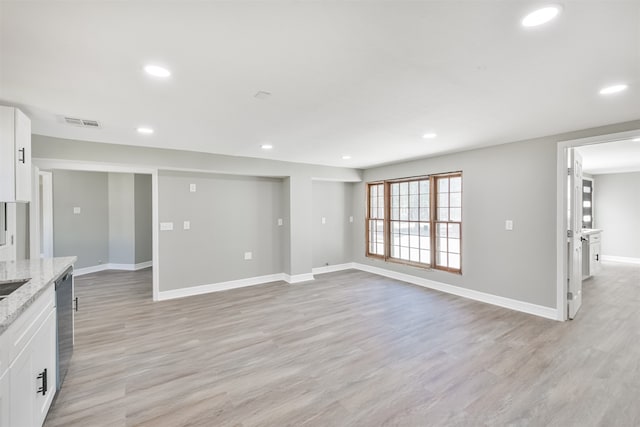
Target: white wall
x,y
617,212
106,230
512,181
229,215
143,218
85,235
122,238
332,241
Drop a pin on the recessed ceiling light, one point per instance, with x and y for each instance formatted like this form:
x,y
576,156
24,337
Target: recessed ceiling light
x,y
541,16
613,89
157,71
145,131
429,135
266,146
636,139
346,157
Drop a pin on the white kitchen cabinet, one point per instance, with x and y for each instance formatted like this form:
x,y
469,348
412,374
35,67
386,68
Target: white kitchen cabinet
x,y
32,371
22,390
15,155
591,262
594,254
44,362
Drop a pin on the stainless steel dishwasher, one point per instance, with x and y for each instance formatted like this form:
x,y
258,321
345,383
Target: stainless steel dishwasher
x,y
64,307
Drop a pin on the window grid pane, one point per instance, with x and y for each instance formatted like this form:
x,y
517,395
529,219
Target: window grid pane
x,y
448,220
410,229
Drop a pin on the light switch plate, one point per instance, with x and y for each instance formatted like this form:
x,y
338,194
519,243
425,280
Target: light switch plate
x,y
192,188
76,210
248,255
166,226
508,225
279,222
324,220
186,225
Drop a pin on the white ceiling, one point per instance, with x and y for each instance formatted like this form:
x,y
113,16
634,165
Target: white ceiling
x,y
611,157
363,78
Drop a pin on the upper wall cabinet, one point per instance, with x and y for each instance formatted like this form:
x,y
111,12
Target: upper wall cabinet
x,y
15,155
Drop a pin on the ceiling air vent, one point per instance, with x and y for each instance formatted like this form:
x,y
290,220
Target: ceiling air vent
x,y
82,122
91,123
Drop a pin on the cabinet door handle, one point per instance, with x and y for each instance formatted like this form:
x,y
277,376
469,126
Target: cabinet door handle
x,y
76,303
43,376
597,257
23,155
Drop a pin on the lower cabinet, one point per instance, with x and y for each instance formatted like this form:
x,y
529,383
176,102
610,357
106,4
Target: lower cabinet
x,y
21,390
594,256
44,365
33,377
29,384
591,262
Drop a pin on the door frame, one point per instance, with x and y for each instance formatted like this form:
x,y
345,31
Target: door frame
x,y
46,246
104,167
8,251
562,220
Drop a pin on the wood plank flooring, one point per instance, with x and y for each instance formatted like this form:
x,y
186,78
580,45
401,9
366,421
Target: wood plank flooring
x,y
349,349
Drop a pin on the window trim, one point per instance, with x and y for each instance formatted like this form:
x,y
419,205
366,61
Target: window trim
x,y
433,210
368,220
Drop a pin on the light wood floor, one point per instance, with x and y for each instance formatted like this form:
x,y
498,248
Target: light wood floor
x,y
349,349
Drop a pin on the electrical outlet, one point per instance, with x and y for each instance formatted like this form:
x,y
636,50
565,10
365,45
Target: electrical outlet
x,y
248,256
76,210
280,222
186,225
508,225
324,220
350,219
192,188
166,226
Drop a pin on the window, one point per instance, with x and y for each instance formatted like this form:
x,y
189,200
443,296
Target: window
x,y
409,223
416,221
448,222
587,203
375,220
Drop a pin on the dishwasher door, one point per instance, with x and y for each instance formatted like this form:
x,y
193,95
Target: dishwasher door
x,y
64,307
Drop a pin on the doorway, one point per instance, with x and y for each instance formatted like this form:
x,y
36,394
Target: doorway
x,y
574,223
52,164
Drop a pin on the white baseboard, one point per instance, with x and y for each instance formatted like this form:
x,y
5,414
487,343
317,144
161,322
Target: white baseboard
x,y
297,278
141,265
233,284
130,267
111,266
216,287
332,268
622,259
88,270
525,307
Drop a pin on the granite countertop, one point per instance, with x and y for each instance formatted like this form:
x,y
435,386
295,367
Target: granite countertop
x,y
590,231
42,272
